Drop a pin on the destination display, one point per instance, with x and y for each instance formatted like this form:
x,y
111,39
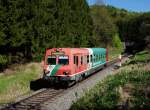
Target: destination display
x,y
58,53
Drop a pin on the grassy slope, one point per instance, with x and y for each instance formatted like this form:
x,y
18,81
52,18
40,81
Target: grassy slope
x,y
113,53
130,88
141,57
17,83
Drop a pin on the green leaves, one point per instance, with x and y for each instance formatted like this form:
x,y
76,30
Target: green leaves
x,y
127,84
104,27
27,26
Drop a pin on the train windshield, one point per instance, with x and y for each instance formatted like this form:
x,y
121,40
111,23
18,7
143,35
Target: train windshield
x,y
63,60
51,60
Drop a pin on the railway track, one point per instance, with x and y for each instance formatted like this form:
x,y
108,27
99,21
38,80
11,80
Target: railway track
x,y
33,102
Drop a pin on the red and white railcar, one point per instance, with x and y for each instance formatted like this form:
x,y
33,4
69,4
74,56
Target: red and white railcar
x,y
72,64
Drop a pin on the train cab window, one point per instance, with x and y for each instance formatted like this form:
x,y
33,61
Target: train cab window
x,y
63,60
51,60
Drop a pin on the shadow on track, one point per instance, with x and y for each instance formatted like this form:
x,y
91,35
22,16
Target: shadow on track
x,y
41,83
37,84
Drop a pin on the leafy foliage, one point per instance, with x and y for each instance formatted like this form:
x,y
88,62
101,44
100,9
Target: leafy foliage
x,y
141,57
3,62
27,27
104,27
117,41
130,84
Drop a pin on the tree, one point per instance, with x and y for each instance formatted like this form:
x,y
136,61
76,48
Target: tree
x,y
104,28
29,26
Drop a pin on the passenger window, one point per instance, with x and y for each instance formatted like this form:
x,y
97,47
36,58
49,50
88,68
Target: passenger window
x,y
77,60
91,58
87,58
96,58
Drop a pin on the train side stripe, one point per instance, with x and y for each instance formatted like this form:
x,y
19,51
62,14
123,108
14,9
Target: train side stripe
x,y
50,68
54,71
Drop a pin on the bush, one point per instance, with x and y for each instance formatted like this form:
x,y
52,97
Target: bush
x,y
141,57
3,62
117,41
129,88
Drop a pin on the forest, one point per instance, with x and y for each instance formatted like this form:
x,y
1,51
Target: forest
x,y
28,27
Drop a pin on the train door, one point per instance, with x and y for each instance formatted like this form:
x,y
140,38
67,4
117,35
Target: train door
x,y
90,57
76,62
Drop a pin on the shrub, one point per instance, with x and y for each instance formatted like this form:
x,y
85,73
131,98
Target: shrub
x,y
3,62
117,41
130,85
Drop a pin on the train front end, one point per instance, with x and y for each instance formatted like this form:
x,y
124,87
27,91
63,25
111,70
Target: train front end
x,y
57,66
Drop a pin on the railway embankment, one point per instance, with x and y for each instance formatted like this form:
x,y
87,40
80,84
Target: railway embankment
x,y
129,88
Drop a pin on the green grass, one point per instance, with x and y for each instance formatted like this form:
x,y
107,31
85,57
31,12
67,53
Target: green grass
x,y
129,87
132,85
113,53
141,57
17,83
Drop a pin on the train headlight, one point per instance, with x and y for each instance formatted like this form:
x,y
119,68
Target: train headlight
x,y
65,72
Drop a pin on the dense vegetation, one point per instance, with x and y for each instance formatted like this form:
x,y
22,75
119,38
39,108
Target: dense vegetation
x,y
28,27
131,27
128,89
